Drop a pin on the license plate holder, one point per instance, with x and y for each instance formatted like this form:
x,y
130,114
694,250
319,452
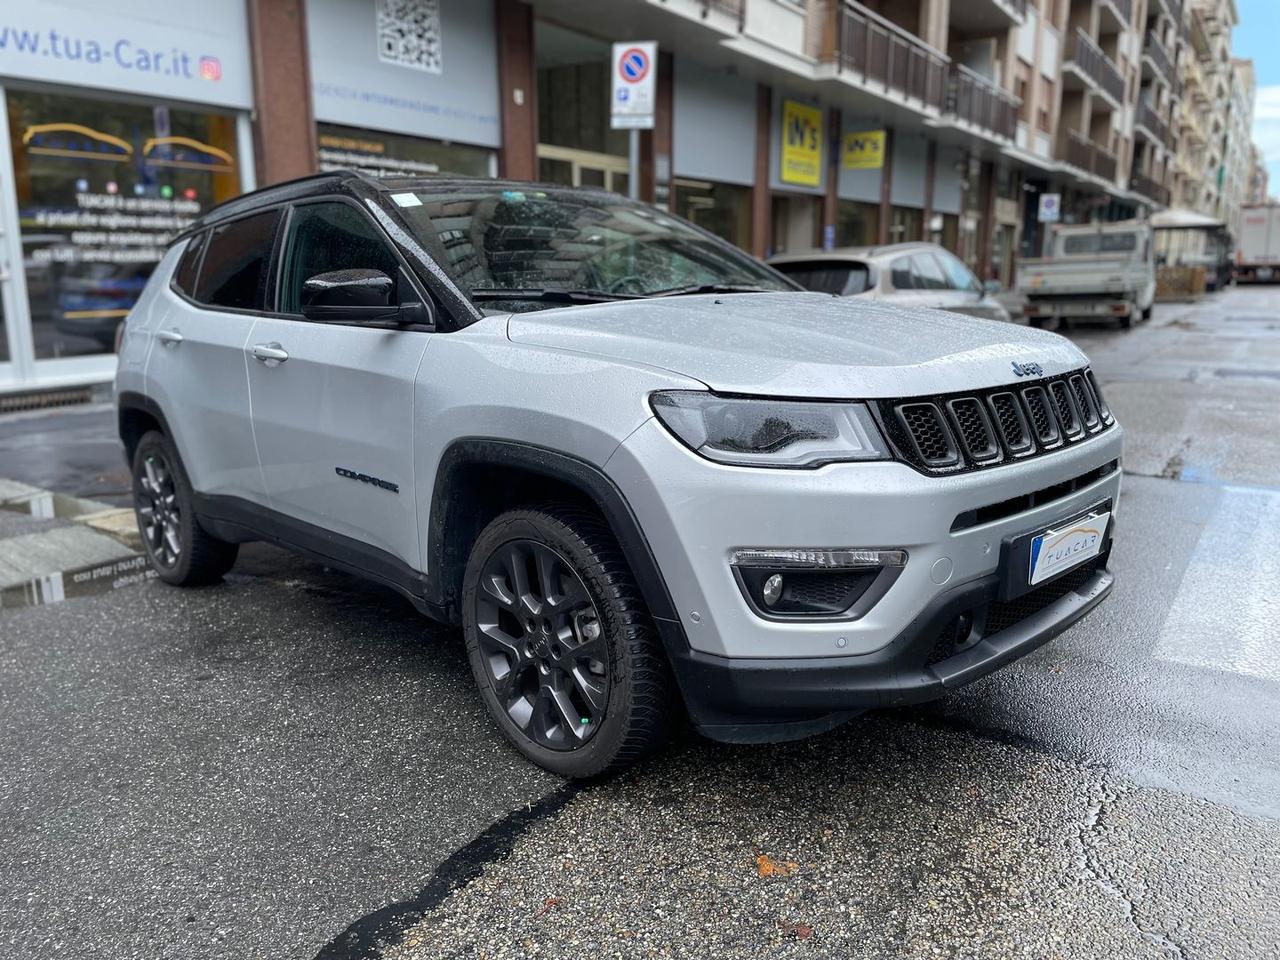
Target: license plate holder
x,y
1019,554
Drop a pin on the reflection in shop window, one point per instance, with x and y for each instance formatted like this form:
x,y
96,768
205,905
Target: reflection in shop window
x,y
393,155
720,208
102,187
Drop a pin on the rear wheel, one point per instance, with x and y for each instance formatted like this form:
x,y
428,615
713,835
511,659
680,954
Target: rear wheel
x,y
1126,321
179,549
563,650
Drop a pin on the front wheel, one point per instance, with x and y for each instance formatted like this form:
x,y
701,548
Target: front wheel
x,y
564,652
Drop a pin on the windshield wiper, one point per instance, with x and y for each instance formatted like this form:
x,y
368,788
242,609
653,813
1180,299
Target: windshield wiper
x,y
711,288
548,296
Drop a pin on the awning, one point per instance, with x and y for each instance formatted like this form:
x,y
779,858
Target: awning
x,y
1183,220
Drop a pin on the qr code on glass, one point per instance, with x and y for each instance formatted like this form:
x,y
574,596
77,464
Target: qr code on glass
x,y
409,34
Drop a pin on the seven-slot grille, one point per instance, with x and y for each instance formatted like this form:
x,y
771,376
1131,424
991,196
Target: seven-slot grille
x,y
983,428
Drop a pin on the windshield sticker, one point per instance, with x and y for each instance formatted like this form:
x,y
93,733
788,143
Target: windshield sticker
x,y
406,200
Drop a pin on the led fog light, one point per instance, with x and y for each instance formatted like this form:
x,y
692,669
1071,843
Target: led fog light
x,y
814,583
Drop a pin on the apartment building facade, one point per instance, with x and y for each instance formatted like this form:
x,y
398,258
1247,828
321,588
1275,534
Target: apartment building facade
x,y
779,124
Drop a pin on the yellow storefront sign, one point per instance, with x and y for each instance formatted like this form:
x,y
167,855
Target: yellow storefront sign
x,y
801,144
863,150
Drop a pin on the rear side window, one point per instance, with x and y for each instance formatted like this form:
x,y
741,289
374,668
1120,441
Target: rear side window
x,y
901,274
189,265
234,270
826,276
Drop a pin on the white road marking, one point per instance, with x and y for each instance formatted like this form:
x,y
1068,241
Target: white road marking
x,y
1226,615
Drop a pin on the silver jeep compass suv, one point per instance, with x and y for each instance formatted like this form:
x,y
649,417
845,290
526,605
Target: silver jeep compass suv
x,y
645,474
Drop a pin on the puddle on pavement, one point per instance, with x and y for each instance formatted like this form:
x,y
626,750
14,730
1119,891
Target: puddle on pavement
x,y
87,581
52,506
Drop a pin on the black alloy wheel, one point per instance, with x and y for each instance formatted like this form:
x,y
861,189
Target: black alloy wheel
x,y
159,514
180,549
543,644
562,647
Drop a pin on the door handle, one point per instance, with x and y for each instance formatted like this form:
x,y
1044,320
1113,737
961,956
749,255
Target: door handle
x,y
170,338
269,353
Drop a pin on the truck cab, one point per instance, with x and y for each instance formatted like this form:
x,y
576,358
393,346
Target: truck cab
x,y
1104,270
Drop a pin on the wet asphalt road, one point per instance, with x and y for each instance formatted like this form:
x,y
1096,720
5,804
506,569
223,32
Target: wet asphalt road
x,y
292,764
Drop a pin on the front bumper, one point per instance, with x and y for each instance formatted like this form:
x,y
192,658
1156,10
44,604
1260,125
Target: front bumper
x,y
750,700
735,667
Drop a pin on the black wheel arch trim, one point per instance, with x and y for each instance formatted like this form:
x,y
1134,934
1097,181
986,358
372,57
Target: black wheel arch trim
x,y
585,477
129,401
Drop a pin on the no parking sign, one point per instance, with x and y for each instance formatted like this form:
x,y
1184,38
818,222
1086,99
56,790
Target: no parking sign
x,y
635,73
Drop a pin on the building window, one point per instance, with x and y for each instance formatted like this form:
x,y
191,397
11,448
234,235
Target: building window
x,y
857,224
395,155
906,224
102,187
722,208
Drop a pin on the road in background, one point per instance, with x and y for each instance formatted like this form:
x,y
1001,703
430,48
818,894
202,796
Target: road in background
x,y
293,763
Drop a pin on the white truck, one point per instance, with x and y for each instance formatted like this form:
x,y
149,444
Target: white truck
x,y
1258,253
1101,270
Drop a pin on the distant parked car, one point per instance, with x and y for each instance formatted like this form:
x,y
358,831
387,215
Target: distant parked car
x,y
94,300
905,274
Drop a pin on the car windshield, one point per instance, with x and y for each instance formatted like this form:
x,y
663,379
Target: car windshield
x,y
531,249
1088,243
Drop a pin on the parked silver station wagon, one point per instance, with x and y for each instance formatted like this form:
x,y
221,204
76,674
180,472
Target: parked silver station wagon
x,y
648,478
906,274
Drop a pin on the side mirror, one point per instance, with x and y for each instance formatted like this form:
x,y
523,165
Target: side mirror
x,y
992,287
358,296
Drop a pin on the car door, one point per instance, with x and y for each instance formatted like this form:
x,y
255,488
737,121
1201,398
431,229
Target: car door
x,y
333,402
196,367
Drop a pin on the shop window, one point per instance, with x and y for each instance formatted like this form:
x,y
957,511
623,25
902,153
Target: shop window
x,y
857,224
721,208
234,270
906,225
102,187
394,155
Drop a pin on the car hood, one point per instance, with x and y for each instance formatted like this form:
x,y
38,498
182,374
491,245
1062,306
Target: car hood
x,y
801,344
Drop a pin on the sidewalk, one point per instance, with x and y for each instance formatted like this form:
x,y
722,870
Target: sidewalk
x,y
54,546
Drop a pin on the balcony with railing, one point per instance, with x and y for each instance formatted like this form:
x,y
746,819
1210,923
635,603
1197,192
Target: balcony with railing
x,y
881,56
1157,58
1148,121
1085,155
975,100
1115,15
987,16
1150,188
1087,62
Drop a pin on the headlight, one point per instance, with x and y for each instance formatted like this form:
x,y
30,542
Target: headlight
x,y
770,433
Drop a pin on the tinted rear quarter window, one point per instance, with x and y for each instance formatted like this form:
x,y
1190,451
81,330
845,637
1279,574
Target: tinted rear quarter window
x,y
189,265
234,270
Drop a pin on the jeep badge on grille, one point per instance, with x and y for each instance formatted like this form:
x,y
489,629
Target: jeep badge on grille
x,y
1027,369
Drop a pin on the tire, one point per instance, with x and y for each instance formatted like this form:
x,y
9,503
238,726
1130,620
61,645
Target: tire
x,y
582,649
180,550
1126,321
1146,314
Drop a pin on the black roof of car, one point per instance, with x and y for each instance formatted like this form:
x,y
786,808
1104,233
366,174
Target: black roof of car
x,y
321,184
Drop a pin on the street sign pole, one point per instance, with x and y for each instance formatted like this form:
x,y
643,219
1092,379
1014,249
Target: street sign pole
x,y
633,99
633,156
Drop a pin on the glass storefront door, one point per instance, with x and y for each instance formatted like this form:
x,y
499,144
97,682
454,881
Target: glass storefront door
x,y
100,186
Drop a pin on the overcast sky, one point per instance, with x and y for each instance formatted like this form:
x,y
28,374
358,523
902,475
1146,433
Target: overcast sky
x,y
1256,38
